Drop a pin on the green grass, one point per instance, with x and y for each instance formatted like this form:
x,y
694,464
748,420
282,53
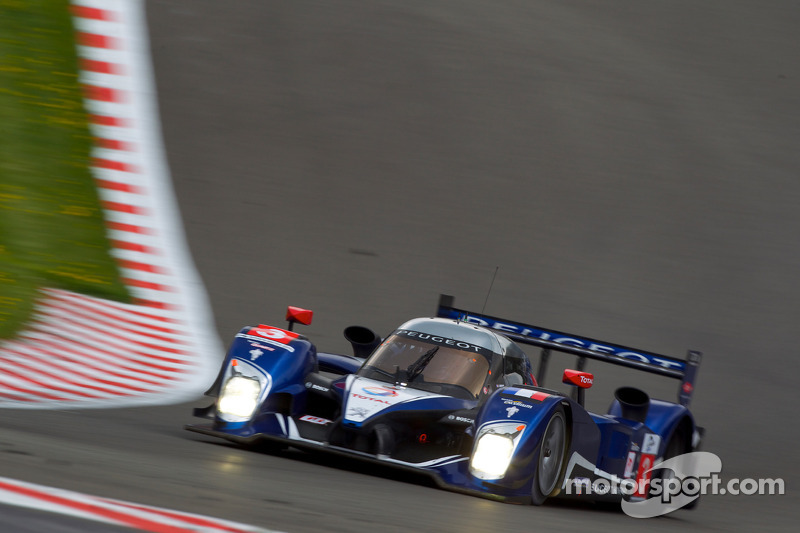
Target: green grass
x,y
51,225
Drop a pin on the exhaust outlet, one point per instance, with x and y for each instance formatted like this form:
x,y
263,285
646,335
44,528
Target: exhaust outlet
x,y
363,340
634,403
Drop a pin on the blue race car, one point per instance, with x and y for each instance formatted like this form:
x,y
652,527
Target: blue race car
x,y
455,397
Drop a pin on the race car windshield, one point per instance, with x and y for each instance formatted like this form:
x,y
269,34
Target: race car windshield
x,y
431,363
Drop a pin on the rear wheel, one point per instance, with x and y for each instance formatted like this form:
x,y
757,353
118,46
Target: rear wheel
x,y
552,457
679,443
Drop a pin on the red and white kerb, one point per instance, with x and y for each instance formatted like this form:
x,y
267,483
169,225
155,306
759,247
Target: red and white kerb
x,y
139,517
88,352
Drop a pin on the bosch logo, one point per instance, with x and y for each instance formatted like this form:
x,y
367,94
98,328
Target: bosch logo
x,y
379,391
314,386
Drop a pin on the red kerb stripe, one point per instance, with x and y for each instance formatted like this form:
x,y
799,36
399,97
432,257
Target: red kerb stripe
x,y
146,285
84,355
117,186
105,120
113,144
103,94
144,267
124,208
93,13
28,393
195,520
135,354
134,247
133,365
117,516
130,228
96,40
25,376
113,165
103,67
148,303
65,373
156,305
16,398
79,313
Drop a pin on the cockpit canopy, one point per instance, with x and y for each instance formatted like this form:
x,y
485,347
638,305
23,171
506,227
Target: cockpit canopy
x,y
448,357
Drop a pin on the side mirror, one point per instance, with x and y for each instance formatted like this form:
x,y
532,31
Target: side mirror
x,y
577,378
298,314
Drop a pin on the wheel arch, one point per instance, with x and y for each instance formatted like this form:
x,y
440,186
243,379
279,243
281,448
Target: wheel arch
x,y
668,419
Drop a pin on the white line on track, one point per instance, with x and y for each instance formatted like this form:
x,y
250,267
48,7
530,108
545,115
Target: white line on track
x,y
141,517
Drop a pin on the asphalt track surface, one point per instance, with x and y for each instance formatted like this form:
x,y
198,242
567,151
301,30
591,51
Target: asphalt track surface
x,y
630,166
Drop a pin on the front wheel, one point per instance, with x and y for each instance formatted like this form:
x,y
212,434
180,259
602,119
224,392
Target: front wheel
x,y
552,458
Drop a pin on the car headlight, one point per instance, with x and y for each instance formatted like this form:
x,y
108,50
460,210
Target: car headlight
x,y
492,456
239,397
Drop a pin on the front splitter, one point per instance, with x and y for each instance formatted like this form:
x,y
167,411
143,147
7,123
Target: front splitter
x,y
310,445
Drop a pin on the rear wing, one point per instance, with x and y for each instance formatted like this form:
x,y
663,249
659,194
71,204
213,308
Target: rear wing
x,y
585,348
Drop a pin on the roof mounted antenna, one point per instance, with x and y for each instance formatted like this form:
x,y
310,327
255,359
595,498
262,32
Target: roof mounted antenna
x,y
490,289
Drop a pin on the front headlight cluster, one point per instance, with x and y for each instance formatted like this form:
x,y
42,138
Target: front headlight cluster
x,y
492,456
239,397
494,449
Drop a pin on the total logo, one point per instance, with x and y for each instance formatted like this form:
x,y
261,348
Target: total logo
x,y
379,391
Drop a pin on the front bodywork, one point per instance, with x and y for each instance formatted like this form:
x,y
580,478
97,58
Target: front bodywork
x,y
475,435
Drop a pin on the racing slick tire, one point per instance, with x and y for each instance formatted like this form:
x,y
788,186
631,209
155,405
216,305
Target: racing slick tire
x,y
679,443
551,458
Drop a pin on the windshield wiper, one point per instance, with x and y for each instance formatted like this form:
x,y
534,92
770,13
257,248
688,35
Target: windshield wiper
x,y
416,368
